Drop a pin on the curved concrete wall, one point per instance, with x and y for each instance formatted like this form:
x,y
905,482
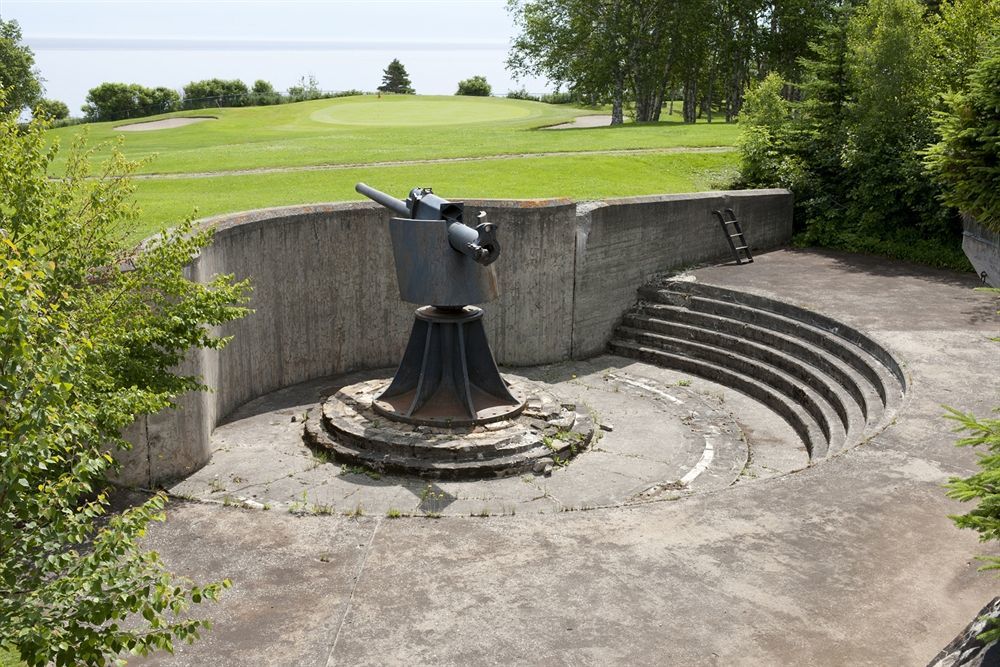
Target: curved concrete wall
x,y
325,299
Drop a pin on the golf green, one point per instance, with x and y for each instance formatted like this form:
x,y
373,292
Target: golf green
x,y
399,111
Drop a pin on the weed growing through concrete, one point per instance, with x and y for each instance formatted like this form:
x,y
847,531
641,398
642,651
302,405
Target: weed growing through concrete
x,y
393,513
299,507
358,511
216,485
360,470
428,496
684,382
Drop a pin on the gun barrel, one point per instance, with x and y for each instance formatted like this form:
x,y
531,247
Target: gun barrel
x,y
390,202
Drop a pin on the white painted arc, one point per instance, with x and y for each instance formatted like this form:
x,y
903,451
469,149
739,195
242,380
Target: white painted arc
x,y
707,456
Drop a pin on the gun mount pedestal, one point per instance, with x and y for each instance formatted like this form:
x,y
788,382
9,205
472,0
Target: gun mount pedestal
x,y
447,413
447,376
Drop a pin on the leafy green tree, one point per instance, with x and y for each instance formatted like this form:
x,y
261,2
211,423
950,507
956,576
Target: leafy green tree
x,y
53,109
112,101
891,65
263,93
85,348
115,101
602,50
475,86
962,32
18,75
307,89
967,159
216,93
766,135
395,79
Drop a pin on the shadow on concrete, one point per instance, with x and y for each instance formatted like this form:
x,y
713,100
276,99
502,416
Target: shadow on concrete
x,y
304,394
879,266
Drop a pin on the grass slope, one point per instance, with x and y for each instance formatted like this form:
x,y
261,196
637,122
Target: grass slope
x,y
359,131
165,201
355,130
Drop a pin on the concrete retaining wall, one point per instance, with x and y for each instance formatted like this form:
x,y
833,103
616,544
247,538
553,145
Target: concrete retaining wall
x,y
325,299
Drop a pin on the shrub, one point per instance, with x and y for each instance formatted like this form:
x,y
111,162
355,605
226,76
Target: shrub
x,y
307,89
982,488
967,159
765,154
216,93
521,94
475,86
86,347
263,93
52,109
558,98
115,101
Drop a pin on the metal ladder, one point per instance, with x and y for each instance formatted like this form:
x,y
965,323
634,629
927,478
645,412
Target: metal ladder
x,y
732,229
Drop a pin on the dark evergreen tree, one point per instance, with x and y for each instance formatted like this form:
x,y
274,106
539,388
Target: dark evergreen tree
x,y
395,79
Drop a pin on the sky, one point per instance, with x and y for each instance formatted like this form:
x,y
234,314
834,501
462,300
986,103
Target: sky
x,y
345,44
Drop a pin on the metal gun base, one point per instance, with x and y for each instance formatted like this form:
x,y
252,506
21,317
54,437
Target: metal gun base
x,y
448,377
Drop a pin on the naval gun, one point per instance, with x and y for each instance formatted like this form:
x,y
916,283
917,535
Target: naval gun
x,y
479,242
447,377
439,259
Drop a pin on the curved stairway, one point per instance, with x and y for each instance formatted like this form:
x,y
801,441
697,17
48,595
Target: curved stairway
x,y
834,385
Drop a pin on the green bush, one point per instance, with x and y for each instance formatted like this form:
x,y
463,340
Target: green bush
x,y
475,86
116,101
967,159
263,94
522,94
982,488
52,109
216,93
85,348
306,89
850,150
558,98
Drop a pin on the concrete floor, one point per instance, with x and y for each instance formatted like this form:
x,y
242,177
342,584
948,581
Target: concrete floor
x,y
850,561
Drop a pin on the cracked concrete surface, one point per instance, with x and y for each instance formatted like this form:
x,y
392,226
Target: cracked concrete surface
x,y
849,561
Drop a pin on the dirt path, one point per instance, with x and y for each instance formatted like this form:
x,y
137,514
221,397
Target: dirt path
x,y
406,163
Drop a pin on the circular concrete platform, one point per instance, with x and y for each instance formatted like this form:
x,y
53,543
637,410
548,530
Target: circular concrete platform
x,y
542,434
659,435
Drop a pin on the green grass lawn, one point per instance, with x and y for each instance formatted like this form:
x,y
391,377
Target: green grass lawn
x,y
366,130
357,130
165,201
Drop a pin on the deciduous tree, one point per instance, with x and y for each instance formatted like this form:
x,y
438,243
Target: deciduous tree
x,y
18,75
86,347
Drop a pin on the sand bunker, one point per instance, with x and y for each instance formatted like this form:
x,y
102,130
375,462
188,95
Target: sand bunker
x,y
164,124
583,121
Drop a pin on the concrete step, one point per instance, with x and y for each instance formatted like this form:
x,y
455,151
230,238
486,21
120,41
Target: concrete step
x,y
788,359
316,435
793,312
879,376
802,421
860,390
799,391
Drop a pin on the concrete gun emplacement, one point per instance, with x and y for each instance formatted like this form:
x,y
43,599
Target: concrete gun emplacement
x,y
479,242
